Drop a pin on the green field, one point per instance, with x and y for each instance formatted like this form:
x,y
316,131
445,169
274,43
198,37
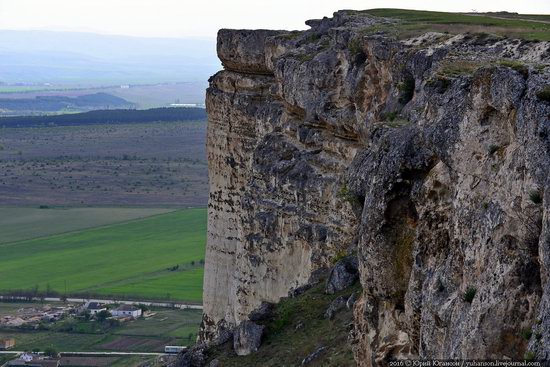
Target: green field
x,y
416,22
130,259
17,224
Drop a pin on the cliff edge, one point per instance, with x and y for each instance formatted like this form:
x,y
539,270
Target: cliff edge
x,y
422,153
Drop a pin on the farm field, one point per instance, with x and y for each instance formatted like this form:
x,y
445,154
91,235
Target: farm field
x,y
20,223
142,95
165,327
145,165
155,258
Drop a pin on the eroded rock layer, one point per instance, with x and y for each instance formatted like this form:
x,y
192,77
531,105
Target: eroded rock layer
x,y
427,158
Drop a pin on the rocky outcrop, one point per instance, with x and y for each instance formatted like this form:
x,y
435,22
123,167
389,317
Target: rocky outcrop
x,y
247,338
342,275
429,157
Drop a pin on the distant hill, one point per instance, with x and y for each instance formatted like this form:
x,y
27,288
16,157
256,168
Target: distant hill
x,y
79,58
57,103
106,117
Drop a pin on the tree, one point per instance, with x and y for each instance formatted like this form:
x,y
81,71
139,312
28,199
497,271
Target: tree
x,y
50,352
102,315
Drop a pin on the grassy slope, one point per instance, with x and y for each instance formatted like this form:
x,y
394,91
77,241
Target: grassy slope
x,y
94,259
283,345
17,224
415,20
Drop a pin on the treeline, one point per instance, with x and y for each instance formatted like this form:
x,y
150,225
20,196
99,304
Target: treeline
x,y
57,103
107,117
28,294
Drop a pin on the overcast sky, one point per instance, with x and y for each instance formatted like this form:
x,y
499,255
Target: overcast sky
x,y
202,18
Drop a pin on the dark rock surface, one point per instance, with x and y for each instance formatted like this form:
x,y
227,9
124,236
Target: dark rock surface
x,y
247,338
344,273
262,313
338,304
194,357
313,356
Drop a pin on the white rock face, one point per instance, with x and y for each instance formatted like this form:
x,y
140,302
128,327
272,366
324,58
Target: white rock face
x,y
330,142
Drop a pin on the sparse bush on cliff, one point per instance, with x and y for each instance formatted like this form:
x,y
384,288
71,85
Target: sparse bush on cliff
x,y
456,68
535,196
493,149
346,194
469,294
517,66
529,356
339,256
389,116
354,47
406,89
526,333
544,94
305,57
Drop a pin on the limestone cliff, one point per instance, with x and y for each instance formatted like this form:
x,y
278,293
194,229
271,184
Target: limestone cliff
x,y
427,157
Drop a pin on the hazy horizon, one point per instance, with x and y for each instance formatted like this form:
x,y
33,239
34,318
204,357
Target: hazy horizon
x,y
180,19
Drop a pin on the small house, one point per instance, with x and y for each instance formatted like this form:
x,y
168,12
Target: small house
x,y
126,311
94,307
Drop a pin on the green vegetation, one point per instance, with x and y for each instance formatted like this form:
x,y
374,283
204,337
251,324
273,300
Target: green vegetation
x,y
164,327
535,196
526,333
18,223
390,116
347,195
517,66
130,259
354,47
107,116
290,35
305,57
414,22
155,165
544,94
297,329
529,356
469,294
391,119
406,89
312,37
493,149
339,256
403,248
456,68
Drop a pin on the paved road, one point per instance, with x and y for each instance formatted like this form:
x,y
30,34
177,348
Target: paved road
x,y
95,354
183,306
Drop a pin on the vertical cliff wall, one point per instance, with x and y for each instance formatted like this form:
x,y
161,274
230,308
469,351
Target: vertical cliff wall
x,y
426,157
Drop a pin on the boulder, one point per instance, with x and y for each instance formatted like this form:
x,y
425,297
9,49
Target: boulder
x,y
247,338
343,274
335,306
194,357
313,356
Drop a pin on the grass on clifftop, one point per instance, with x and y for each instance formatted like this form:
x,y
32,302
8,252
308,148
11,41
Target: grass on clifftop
x,y
529,27
298,329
